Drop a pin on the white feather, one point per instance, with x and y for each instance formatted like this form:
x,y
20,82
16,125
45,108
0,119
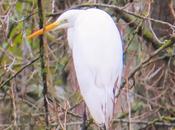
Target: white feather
x,y
97,54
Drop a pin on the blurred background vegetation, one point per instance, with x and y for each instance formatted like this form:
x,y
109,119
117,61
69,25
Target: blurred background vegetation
x,y
147,98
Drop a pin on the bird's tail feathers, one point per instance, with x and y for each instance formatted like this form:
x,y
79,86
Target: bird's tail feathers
x,y
101,107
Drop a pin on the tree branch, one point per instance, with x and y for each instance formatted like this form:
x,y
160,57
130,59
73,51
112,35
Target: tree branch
x,y
164,46
120,9
154,122
19,71
43,68
167,43
129,17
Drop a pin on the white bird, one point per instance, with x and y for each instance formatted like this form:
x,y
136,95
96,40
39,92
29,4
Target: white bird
x,y
97,53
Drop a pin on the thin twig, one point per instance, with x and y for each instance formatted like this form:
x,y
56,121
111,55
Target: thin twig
x,y
14,107
150,57
146,61
125,11
19,71
154,122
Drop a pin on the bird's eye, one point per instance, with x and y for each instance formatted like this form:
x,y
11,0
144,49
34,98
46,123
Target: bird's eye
x,y
63,21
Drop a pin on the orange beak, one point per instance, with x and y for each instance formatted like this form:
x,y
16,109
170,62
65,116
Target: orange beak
x,y
43,30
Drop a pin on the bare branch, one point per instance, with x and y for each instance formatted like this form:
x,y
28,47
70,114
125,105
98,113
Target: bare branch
x,y
42,60
19,71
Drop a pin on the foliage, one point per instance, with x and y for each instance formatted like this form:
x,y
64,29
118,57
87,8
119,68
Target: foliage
x,y
146,99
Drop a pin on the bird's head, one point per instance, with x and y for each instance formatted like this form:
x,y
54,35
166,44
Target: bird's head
x,y
65,20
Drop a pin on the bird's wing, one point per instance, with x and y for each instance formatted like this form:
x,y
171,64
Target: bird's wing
x,y
97,55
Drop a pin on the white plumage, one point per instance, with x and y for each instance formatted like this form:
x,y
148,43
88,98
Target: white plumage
x,y
97,55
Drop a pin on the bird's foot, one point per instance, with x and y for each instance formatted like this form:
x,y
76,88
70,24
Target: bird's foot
x,y
103,127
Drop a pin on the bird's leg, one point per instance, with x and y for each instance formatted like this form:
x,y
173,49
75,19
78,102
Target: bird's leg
x,y
103,127
84,125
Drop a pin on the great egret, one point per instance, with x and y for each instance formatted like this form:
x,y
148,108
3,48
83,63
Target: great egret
x,y
97,53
